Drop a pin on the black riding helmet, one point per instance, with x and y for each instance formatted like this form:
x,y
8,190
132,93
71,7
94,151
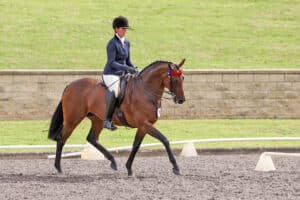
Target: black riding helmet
x,y
120,22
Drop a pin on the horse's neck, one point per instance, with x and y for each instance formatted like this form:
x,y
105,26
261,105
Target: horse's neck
x,y
153,84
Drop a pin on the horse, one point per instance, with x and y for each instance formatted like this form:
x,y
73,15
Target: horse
x,y
140,107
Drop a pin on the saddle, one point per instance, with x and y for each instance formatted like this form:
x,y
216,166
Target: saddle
x,y
123,85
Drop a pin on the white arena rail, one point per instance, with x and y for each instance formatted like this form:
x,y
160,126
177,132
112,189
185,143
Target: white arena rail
x,y
157,144
186,142
40,146
151,145
212,140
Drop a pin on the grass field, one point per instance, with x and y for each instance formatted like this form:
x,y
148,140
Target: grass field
x,y
210,34
220,34
35,132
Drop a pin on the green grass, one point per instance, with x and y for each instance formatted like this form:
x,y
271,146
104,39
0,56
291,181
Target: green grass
x,y
35,132
56,34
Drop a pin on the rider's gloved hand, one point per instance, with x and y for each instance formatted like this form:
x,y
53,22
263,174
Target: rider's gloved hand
x,y
136,69
132,70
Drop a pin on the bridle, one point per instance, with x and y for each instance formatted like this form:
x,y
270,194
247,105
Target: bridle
x,y
171,74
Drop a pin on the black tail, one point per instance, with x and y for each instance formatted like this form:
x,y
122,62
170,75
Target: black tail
x,y
56,122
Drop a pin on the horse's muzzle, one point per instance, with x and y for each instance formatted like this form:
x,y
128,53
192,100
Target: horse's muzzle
x,y
179,100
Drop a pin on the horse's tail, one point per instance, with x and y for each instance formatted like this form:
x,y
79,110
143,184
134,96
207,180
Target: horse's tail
x,y
56,123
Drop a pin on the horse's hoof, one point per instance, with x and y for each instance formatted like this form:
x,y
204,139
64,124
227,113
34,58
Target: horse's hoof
x,y
130,174
113,165
59,171
176,171
58,168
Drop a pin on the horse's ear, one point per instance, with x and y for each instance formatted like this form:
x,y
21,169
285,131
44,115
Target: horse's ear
x,y
181,63
173,67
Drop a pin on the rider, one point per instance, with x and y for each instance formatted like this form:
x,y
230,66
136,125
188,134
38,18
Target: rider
x,y
118,64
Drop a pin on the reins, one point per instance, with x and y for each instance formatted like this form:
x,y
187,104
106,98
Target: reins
x,y
171,73
158,93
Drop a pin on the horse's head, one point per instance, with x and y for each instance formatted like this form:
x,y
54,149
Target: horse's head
x,y
174,82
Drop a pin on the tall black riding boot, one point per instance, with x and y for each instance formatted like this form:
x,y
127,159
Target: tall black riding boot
x,y
110,107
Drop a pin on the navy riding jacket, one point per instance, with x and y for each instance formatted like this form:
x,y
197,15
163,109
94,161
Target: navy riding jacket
x,y
118,57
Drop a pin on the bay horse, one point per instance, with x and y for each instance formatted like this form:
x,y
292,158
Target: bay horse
x,y
140,106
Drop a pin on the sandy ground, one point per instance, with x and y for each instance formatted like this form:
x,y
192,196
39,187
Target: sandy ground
x,y
203,177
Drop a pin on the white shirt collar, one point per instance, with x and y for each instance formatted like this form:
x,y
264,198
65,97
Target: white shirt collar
x,y
121,39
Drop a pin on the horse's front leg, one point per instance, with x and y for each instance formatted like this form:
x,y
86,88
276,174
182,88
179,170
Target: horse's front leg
x,y
139,136
92,138
158,135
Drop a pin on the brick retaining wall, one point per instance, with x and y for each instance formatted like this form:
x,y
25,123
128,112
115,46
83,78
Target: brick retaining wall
x,y
27,95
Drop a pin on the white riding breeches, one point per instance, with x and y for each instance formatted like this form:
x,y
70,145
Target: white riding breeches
x,y
113,83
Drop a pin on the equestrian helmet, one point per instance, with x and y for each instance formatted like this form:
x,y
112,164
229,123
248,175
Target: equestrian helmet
x,y
120,22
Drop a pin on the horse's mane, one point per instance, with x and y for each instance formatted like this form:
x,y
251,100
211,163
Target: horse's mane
x,y
154,64
149,67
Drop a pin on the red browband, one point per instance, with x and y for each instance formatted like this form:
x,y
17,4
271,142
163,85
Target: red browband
x,y
175,73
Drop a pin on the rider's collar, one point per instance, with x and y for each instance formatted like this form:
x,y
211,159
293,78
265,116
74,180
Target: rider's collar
x,y
121,39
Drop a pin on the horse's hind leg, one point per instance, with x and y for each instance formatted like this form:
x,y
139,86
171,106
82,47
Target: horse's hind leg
x,y
93,139
61,140
139,136
59,147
